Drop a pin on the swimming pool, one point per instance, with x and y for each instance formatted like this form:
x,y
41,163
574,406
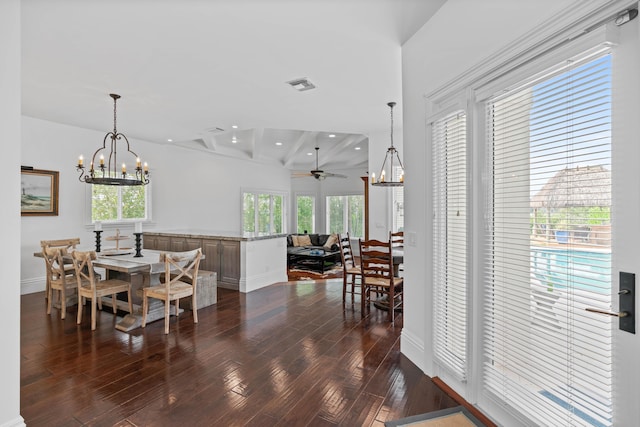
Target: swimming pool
x,y
564,268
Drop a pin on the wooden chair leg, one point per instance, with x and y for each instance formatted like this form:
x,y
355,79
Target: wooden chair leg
x,y
80,306
344,287
93,312
114,302
144,308
392,302
167,303
194,308
49,298
363,299
63,303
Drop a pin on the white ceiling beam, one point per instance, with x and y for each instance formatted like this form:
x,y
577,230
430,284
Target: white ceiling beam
x,y
210,141
338,148
297,146
256,143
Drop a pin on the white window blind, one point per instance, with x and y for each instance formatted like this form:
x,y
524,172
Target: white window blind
x,y
398,201
450,243
548,253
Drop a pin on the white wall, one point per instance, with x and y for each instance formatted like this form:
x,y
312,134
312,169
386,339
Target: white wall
x,y
10,125
190,189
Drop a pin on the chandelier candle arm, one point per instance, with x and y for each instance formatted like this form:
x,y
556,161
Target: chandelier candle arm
x,y
392,156
108,174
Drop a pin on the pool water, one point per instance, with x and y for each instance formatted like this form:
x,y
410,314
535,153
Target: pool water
x,y
569,268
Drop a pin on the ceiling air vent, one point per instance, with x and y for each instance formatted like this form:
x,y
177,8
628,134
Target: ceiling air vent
x,y
301,84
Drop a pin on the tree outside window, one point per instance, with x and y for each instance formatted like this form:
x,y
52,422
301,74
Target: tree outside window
x,y
305,206
346,214
262,213
115,203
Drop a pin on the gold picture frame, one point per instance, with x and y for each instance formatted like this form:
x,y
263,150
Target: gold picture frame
x,y
39,192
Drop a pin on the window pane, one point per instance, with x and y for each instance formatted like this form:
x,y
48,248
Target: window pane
x,y
305,214
133,202
277,214
104,203
336,206
264,214
356,216
249,212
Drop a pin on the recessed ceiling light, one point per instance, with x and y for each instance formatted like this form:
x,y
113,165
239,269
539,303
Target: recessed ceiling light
x,y
234,126
169,140
357,148
332,136
278,143
309,154
234,140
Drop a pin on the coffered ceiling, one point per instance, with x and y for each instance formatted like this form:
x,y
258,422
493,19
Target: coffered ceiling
x,y
190,70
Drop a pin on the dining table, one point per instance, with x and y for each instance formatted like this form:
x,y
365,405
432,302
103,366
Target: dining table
x,y
141,271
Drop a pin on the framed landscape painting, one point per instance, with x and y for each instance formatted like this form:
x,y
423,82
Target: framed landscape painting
x,y
39,192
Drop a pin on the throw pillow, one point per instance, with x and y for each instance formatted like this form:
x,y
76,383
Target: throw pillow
x,y
304,240
295,241
332,240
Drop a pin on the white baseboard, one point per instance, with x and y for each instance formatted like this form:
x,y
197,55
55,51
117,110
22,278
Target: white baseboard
x,y
31,286
16,422
248,284
412,347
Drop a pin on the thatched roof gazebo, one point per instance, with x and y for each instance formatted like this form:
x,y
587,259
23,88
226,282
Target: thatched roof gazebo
x,y
582,186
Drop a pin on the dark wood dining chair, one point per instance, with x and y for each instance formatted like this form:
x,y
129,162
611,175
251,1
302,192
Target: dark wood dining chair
x,y
180,281
351,271
91,287
397,238
376,262
397,242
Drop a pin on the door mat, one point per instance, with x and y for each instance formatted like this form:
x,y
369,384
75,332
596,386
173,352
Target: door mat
x,y
451,417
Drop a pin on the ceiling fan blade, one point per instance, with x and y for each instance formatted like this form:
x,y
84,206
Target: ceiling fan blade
x,y
300,174
334,175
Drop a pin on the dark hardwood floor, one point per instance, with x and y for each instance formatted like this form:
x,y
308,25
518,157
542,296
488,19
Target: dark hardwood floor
x,y
288,354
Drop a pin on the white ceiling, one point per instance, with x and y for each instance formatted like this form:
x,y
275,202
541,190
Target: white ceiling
x,y
187,68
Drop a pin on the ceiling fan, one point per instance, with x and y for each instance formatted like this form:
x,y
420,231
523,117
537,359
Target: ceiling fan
x,y
317,173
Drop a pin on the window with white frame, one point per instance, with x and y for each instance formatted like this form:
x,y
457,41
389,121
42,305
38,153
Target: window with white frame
x,y
112,203
346,214
262,213
305,213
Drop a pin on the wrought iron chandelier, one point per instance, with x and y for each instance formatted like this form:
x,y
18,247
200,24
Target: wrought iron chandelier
x,y
108,174
394,158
